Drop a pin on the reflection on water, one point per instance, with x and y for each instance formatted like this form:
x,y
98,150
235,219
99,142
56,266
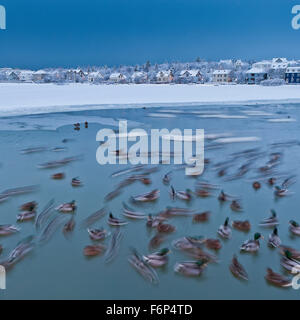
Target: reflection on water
x,y
58,269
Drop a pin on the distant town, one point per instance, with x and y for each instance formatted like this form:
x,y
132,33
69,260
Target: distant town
x,y
277,71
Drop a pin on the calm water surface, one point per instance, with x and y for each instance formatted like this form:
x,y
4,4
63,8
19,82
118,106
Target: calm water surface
x,y
58,269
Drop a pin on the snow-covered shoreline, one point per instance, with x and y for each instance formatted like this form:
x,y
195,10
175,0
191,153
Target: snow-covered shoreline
x,y
23,99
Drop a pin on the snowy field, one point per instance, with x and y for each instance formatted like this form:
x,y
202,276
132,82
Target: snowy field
x,y
21,99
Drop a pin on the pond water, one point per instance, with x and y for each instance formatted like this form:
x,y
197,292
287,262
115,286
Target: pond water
x,y
59,270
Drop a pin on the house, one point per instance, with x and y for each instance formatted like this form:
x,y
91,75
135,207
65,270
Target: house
x,y
12,76
191,75
279,64
39,76
292,75
139,77
164,76
76,75
95,77
117,77
265,64
222,76
256,75
25,75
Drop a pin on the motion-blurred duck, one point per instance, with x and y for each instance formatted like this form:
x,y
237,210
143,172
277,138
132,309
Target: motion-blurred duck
x,y
274,240
92,251
289,263
8,229
241,225
294,228
225,230
252,245
165,228
237,269
69,207
236,206
191,268
157,259
277,279
150,196
182,195
271,221
98,234
113,221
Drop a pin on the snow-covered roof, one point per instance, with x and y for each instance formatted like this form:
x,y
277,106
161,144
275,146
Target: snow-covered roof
x,y
293,70
257,70
164,73
191,73
40,72
96,74
226,72
139,74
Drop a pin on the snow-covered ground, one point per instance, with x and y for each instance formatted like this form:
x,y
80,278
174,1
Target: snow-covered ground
x,y
19,99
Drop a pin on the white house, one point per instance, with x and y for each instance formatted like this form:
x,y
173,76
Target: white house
x,y
222,76
12,76
265,65
95,76
25,75
76,75
139,77
117,77
164,76
279,64
193,75
256,75
39,76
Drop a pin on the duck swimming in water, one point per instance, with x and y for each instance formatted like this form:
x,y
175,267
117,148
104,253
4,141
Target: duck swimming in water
x,y
191,268
187,243
113,221
69,207
8,229
98,234
241,225
154,221
26,216
157,259
277,279
213,244
131,214
272,221
237,269
280,192
295,254
76,182
289,263
182,195
224,230
274,240
201,217
256,185
92,251
165,228
294,228
58,176
236,206
29,206
69,226
147,197
252,245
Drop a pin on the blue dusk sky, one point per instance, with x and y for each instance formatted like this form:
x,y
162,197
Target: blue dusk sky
x,y
70,33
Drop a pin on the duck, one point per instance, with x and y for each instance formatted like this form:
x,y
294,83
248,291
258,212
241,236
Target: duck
x,y
223,196
289,263
203,193
187,243
1,249
213,244
69,226
98,234
113,221
191,268
131,214
271,221
252,245
237,269
294,228
69,207
26,216
94,250
182,195
153,221
295,254
29,206
274,240
271,181
58,176
277,279
224,230
76,182
8,229
156,240
236,206
167,178
165,228
280,192
256,185
147,197
241,225
157,259
201,217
